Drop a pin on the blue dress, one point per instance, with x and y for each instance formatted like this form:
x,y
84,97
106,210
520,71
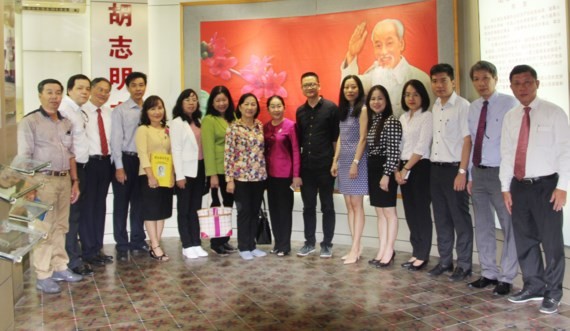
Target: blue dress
x,y
349,137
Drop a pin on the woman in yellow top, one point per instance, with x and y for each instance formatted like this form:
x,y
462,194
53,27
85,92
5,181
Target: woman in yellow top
x,y
152,137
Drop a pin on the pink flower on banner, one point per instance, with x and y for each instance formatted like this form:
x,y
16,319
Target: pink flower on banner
x,y
262,80
221,65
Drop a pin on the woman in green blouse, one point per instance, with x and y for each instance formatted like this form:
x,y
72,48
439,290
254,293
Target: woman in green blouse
x,y
219,114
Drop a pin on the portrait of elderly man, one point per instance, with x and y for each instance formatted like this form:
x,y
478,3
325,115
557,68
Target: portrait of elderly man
x,y
391,69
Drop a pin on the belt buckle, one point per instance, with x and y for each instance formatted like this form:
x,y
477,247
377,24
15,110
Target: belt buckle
x,y
528,181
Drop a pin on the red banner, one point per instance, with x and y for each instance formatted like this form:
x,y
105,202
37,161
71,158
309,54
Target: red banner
x,y
268,56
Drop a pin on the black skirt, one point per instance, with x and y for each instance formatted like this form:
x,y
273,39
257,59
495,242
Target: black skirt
x,y
378,197
156,202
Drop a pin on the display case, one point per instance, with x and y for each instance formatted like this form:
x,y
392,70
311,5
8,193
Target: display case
x,y
17,195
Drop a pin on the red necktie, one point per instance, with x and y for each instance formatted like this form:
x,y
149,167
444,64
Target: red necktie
x,y
102,136
522,145
478,149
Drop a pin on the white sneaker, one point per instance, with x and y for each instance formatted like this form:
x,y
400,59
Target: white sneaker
x,y
189,253
199,251
258,253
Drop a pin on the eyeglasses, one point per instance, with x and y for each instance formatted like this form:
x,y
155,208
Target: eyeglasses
x,y
310,85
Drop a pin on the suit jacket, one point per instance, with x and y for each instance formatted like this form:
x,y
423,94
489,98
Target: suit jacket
x,y
185,149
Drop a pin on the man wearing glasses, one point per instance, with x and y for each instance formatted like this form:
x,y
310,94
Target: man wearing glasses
x,y
318,125
485,122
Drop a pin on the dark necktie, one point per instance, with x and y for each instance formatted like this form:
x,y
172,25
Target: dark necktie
x,y
102,136
522,145
478,149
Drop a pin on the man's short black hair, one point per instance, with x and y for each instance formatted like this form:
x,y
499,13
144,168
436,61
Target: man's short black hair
x,y
442,68
134,75
309,74
48,81
522,68
72,79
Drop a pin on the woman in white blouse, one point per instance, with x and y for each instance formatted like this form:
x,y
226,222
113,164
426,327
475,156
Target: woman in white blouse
x,y
188,160
414,175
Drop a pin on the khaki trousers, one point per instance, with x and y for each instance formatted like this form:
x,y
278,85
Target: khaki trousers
x,y
49,254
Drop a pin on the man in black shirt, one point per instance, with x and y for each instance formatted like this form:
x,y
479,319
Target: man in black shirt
x,y
318,124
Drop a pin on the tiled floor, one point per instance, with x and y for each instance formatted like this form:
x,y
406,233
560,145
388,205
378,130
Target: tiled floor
x,y
271,293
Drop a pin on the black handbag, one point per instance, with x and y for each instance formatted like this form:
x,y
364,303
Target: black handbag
x,y
263,236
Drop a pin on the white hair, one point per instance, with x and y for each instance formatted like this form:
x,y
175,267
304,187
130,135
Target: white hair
x,y
397,24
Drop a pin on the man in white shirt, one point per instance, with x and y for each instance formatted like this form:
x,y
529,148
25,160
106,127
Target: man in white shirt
x,y
78,91
486,116
99,171
450,151
390,69
534,173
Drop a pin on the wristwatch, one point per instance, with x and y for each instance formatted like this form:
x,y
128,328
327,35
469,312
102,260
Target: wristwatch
x,y
355,161
462,171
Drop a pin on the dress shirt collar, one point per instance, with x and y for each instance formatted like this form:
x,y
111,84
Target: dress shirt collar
x,y
450,102
90,107
533,105
317,105
70,103
130,103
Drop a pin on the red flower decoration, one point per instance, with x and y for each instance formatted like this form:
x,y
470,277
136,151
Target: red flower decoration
x,y
221,65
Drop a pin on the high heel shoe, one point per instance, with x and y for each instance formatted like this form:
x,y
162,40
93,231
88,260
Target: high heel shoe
x,y
413,267
386,264
373,262
162,257
351,261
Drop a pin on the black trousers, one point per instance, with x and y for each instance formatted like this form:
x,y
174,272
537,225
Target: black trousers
x,y
228,201
248,197
123,196
280,200
417,200
318,181
536,223
71,237
451,213
92,227
189,200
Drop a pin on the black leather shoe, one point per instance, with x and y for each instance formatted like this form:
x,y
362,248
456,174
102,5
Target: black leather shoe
x,y
229,248
459,274
142,249
502,288
439,269
95,261
525,296
123,255
220,251
105,257
373,262
83,270
406,265
418,267
482,282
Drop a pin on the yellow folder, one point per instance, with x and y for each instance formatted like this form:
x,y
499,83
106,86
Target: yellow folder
x,y
161,164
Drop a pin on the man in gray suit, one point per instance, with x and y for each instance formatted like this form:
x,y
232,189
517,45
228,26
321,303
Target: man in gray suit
x,y
485,122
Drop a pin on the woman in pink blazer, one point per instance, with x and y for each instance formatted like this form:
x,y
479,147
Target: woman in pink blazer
x,y
283,169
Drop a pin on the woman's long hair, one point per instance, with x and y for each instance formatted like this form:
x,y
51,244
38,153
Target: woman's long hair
x,y
387,112
344,104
